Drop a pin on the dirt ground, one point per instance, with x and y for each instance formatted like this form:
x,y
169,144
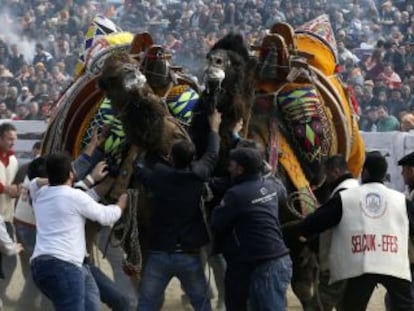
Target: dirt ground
x,y
173,296
173,302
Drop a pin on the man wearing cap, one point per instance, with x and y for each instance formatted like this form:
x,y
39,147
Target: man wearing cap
x,y
259,267
370,228
407,163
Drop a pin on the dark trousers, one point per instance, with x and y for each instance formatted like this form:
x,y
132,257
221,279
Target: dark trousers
x,y
236,286
265,283
359,290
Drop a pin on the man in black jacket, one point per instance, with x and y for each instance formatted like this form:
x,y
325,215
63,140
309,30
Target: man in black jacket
x,y
246,221
178,230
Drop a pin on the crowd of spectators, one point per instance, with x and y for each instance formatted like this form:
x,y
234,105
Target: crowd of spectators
x,y
375,45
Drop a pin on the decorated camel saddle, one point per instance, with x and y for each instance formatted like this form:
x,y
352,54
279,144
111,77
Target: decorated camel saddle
x,y
85,105
303,112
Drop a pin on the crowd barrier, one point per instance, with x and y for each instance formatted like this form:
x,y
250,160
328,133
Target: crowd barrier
x,y
394,145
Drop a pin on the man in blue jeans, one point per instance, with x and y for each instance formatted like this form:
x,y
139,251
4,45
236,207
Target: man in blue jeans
x,y
246,223
177,230
61,212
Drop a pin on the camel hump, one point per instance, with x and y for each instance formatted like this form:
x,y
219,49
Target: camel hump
x,y
287,33
274,57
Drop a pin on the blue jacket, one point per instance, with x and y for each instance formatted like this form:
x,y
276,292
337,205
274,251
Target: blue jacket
x,y
246,222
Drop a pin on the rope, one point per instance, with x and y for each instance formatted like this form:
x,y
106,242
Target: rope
x,y
125,234
305,200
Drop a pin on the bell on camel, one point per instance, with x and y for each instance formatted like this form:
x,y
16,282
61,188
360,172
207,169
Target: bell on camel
x,y
269,68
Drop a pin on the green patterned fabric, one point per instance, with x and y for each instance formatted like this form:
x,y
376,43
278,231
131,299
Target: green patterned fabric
x,y
105,118
306,121
181,102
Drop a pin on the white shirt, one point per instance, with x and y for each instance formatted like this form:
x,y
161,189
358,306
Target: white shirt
x,y
7,175
24,211
61,212
7,245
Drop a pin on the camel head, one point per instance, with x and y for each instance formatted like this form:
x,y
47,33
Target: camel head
x,y
155,65
120,76
227,72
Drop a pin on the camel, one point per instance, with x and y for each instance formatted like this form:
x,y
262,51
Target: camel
x,y
229,88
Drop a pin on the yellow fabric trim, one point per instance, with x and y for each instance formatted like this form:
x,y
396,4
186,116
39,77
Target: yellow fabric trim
x,y
294,170
177,90
118,38
323,58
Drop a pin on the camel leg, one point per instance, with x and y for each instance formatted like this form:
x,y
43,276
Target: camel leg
x,y
303,278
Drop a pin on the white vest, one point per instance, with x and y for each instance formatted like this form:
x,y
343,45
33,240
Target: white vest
x,y
7,175
372,236
326,236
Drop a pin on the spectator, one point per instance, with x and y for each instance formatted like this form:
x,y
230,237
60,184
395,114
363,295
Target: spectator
x,y
397,104
5,113
406,94
173,43
42,56
345,54
16,60
394,57
12,97
407,122
368,121
386,122
390,78
367,98
381,98
4,88
34,113
25,97
24,75
22,112
374,65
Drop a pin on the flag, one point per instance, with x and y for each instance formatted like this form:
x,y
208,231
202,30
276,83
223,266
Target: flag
x,y
100,26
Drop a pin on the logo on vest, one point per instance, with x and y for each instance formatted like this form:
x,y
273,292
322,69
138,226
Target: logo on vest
x,y
374,206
